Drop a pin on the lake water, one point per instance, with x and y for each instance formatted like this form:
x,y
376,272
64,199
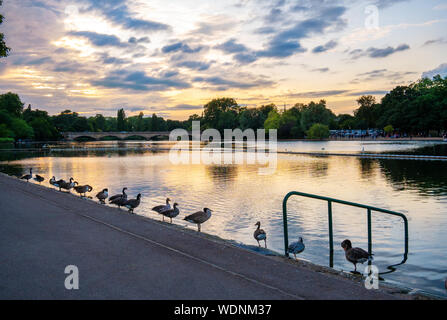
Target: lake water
x,y
240,197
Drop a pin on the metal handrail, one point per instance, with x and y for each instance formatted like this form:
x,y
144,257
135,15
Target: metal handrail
x,y
331,240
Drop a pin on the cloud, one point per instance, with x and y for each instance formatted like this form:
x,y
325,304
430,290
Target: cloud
x,y
377,52
31,61
224,84
441,70
435,41
139,81
369,93
323,48
317,94
135,40
381,53
118,12
382,4
287,42
99,39
180,47
194,65
231,46
322,70
185,107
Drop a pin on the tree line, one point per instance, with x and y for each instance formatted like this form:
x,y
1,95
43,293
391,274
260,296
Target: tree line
x,y
417,109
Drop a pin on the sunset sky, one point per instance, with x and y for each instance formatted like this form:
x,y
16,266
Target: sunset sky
x,y
169,57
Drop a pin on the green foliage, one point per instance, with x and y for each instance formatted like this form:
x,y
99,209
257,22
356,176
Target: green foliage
x,y
121,120
5,132
366,113
21,129
318,131
388,129
315,113
221,113
4,50
11,103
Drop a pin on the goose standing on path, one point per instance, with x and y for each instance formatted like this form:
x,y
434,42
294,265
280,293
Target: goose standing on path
x,y
161,208
119,199
171,213
297,247
199,217
39,179
116,196
260,234
67,185
27,177
103,195
355,255
83,190
133,203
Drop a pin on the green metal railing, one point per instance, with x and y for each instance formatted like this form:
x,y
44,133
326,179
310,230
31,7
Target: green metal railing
x,y
369,210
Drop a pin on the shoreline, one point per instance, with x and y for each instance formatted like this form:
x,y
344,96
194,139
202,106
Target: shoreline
x,y
82,220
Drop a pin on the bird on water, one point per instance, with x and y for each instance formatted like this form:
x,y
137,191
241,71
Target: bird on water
x,y
297,247
199,217
27,177
132,203
103,195
116,196
67,185
260,234
171,213
355,255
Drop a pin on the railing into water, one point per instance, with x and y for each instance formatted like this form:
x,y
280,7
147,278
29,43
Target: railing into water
x,y
330,201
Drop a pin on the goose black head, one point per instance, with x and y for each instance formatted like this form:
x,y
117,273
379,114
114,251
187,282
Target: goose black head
x,y
300,239
139,196
105,190
258,224
175,204
207,209
75,183
90,188
346,244
124,189
167,200
30,170
71,179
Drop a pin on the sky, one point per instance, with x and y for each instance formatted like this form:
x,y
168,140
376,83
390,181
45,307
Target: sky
x,y
170,57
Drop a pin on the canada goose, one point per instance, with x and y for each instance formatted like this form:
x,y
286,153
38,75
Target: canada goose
x,y
83,189
102,196
171,213
27,177
355,255
199,217
39,179
260,234
297,247
120,199
116,196
161,208
67,185
133,203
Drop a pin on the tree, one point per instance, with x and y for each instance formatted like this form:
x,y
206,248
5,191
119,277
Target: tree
x,y
315,113
21,129
4,50
318,131
225,108
388,129
121,120
100,122
365,114
11,103
140,122
65,120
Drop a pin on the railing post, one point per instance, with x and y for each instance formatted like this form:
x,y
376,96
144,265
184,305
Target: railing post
x,y
369,232
331,240
284,222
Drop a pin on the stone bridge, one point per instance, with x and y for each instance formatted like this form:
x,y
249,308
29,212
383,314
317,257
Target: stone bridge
x,y
120,135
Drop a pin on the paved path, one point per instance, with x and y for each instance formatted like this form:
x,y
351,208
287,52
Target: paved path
x,y
123,256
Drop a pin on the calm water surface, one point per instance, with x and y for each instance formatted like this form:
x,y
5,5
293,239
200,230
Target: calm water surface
x,y
240,197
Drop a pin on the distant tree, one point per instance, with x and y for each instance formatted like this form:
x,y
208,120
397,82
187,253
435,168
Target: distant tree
x,y
21,129
81,125
100,122
365,114
140,122
65,120
4,50
121,120
221,113
272,121
388,129
11,103
315,113
43,129
5,132
318,131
